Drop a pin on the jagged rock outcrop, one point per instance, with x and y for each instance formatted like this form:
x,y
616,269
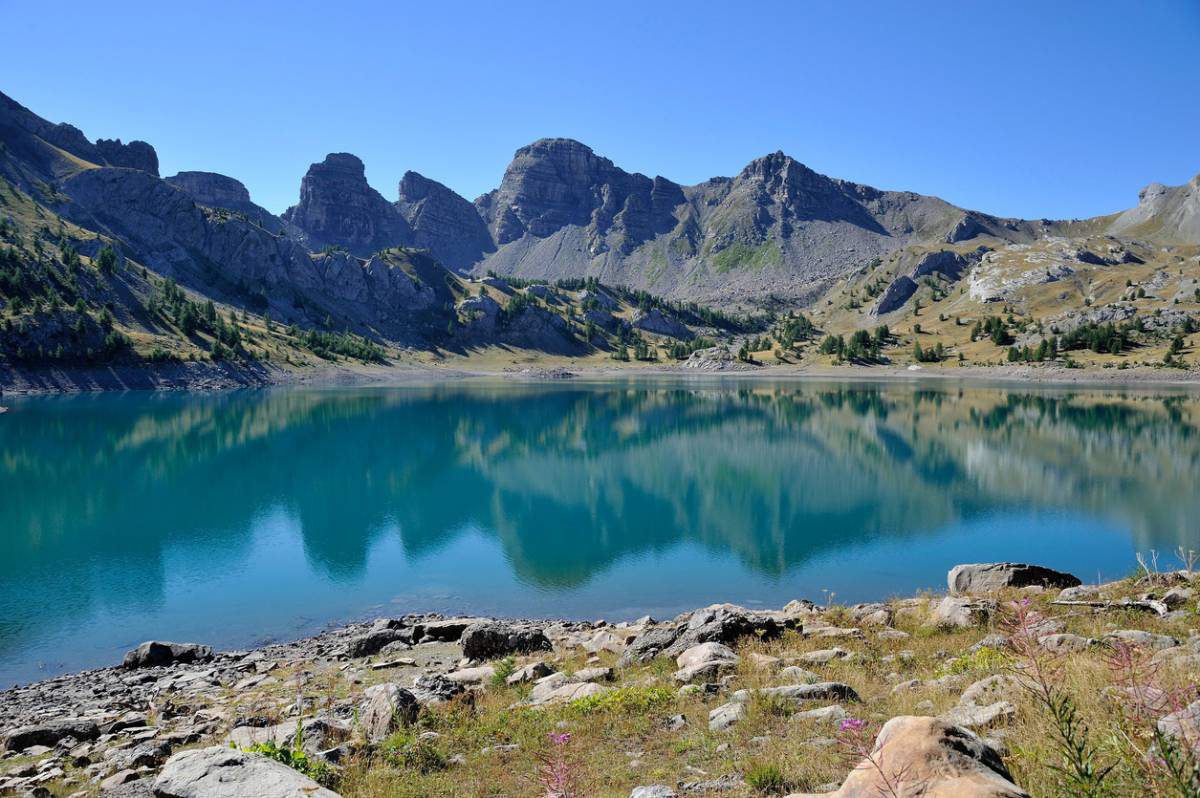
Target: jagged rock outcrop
x,y
1166,213
134,155
40,144
219,191
555,183
443,222
338,208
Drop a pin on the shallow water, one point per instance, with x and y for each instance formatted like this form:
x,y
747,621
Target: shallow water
x,y
236,518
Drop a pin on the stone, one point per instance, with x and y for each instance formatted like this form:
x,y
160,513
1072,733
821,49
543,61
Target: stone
x,y
596,674
218,772
490,640
653,791
1064,642
835,713
702,672
155,653
992,577
971,716
1183,725
529,673
794,674
435,689
706,652
726,715
931,758
823,656
719,623
51,733
385,708
954,611
1137,637
990,689
376,640
797,693
472,676
565,693
654,320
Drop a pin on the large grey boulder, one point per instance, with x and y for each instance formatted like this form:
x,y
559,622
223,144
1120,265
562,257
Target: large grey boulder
x,y
50,733
386,708
929,757
995,576
218,772
492,639
154,653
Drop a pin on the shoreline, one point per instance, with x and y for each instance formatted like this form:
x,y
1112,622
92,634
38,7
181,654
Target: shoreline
x,y
209,378
119,728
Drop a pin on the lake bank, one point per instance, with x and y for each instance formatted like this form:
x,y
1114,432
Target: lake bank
x,y
205,376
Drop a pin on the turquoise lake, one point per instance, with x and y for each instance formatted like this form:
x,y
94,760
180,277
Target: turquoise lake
x,y
244,517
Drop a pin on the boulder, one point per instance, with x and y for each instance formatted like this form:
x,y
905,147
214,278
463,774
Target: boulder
x,y
931,758
1137,637
1183,725
218,772
796,693
529,673
992,577
51,733
472,676
560,693
653,791
706,652
490,640
155,653
435,689
726,715
376,640
386,707
954,611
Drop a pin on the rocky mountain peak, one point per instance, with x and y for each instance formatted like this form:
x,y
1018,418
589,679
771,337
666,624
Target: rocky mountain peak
x,y
338,207
554,183
443,222
134,155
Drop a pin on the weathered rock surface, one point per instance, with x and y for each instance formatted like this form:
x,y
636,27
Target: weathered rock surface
x,y
154,653
720,623
338,208
51,733
223,773
446,224
491,640
992,577
928,757
386,707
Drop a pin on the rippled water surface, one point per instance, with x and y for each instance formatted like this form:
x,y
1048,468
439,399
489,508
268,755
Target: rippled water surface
x,y
241,517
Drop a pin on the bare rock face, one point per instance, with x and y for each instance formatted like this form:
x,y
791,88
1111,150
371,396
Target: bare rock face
x,y
386,706
991,577
928,757
134,155
490,640
338,208
656,321
553,183
153,653
443,222
218,772
219,191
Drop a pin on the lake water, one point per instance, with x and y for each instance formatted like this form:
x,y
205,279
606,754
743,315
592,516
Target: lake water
x,y
237,518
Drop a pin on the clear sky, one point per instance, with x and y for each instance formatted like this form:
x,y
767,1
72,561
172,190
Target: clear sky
x,y
1055,108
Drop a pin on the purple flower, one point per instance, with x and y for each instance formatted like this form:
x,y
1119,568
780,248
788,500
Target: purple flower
x,y
853,724
560,739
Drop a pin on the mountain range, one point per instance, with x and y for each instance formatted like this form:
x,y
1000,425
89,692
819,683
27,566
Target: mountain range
x,y
776,235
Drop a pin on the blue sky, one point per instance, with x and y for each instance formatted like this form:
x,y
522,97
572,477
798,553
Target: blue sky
x,y
1059,109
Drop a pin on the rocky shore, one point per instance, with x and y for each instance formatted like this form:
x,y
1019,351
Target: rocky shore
x,y
939,691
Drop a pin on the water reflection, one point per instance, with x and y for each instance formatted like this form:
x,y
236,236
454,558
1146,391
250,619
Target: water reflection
x,y
100,494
